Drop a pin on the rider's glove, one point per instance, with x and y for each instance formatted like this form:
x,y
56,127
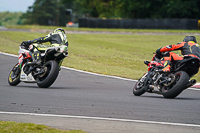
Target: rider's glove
x,y
158,54
26,43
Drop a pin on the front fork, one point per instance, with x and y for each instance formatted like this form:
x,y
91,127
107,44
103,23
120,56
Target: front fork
x,y
16,69
146,80
150,79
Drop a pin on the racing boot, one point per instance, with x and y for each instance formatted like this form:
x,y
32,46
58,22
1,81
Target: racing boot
x,y
36,59
34,63
166,69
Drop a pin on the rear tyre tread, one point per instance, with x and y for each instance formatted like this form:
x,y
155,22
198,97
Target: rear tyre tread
x,y
179,87
53,74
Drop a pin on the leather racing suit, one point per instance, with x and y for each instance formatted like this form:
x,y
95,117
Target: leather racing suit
x,y
187,49
55,39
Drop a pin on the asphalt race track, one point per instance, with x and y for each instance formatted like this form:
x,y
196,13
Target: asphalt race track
x,y
99,100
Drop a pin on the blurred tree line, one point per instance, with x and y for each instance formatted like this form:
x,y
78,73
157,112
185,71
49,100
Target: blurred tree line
x,y
141,8
56,12
10,18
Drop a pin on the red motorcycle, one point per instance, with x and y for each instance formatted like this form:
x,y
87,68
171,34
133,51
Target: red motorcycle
x,y
169,84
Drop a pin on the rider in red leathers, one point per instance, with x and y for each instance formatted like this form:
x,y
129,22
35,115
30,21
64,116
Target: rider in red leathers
x,y
188,47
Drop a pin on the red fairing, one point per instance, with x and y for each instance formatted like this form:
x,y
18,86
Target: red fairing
x,y
27,55
154,63
21,57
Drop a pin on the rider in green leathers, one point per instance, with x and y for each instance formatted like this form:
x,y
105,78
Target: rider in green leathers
x,y
57,38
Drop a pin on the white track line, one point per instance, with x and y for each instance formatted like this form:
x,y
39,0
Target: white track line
x,y
80,70
100,118
97,73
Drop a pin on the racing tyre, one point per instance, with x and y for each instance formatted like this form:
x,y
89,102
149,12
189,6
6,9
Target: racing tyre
x,y
46,79
14,75
181,81
139,88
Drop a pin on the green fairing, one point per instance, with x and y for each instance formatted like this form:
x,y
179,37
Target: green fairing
x,y
20,66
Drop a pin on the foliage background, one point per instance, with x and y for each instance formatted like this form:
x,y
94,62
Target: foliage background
x,y
54,12
10,18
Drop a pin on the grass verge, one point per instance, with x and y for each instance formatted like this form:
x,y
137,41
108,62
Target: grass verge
x,y
109,54
14,127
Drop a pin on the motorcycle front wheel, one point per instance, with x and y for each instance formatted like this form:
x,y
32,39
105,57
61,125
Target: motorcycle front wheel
x,y
46,79
139,88
179,84
14,75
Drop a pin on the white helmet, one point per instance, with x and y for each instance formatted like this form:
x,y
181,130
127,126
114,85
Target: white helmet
x,y
59,30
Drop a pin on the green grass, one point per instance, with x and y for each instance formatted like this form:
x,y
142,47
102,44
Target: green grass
x,y
14,127
37,27
109,54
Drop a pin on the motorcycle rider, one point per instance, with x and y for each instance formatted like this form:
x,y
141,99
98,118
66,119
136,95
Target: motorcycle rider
x,y
188,47
58,37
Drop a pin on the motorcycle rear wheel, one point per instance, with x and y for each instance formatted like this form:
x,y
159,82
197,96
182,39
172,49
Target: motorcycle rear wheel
x,y
178,86
14,76
46,79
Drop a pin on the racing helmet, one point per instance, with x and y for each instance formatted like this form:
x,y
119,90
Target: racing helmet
x,y
190,38
59,30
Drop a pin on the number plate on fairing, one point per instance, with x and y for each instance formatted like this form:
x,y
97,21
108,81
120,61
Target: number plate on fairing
x,y
26,78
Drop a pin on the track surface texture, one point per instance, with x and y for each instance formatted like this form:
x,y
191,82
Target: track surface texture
x,y
81,94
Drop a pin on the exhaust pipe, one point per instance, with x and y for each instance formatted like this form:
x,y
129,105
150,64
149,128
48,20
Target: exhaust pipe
x,y
52,51
151,87
191,83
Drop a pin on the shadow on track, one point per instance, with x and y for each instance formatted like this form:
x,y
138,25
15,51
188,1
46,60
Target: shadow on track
x,y
177,98
36,87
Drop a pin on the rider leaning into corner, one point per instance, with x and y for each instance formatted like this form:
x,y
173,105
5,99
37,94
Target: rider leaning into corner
x,y
188,47
58,37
